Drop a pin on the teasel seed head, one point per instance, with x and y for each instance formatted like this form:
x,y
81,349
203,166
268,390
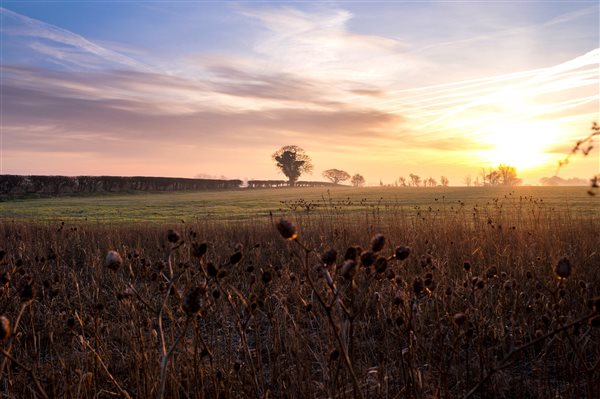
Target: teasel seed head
x,y
352,253
113,260
381,264
418,285
377,243
172,236
286,229
329,257
460,318
367,258
563,268
198,250
191,301
402,252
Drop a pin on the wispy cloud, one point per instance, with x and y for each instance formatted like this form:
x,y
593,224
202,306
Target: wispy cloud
x,y
307,79
74,49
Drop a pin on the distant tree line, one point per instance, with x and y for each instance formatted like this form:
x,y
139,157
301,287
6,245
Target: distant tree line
x,y
16,185
416,181
284,183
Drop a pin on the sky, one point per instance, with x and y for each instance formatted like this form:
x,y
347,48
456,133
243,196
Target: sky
x,y
380,88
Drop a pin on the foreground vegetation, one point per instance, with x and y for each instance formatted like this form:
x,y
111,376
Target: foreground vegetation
x,y
487,302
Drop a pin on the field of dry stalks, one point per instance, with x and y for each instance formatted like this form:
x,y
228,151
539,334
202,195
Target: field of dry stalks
x,y
489,303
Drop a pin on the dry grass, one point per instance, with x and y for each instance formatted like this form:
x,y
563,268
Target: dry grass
x,y
261,316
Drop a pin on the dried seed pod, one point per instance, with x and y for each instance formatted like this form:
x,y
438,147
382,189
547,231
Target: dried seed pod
x,y
191,301
286,229
329,257
113,260
467,266
352,253
334,355
402,253
460,318
377,243
367,258
198,250
211,269
173,236
418,285
381,264
235,258
563,268
26,290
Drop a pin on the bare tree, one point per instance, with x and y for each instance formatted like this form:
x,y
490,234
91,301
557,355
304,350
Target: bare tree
x,y
402,181
292,161
415,180
493,177
444,181
429,182
358,180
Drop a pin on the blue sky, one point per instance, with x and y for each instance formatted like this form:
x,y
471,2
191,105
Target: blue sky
x,y
379,88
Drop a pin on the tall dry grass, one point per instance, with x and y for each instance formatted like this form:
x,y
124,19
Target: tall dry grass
x,y
444,303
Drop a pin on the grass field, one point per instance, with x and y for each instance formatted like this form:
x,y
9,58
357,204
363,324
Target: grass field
x,y
250,204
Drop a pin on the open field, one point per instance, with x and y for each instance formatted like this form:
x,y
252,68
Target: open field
x,y
461,299
250,204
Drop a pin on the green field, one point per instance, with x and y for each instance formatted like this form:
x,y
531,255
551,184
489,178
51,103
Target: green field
x,y
246,204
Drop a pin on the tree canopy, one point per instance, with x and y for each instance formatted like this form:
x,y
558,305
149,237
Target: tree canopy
x,y
292,161
358,180
336,175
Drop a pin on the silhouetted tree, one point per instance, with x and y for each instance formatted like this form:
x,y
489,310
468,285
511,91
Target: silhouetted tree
x,y
444,181
358,180
402,181
508,175
336,175
293,161
493,177
430,182
415,180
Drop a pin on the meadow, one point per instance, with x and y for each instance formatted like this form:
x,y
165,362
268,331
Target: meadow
x,y
243,204
346,293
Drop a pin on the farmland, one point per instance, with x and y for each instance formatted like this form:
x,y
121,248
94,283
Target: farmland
x,y
374,292
235,205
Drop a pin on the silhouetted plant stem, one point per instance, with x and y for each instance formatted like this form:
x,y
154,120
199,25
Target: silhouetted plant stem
x,y
327,309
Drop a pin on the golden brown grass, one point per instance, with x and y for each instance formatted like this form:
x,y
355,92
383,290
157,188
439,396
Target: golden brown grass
x,y
255,314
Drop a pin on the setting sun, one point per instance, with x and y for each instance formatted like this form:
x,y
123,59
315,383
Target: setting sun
x,y
523,145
